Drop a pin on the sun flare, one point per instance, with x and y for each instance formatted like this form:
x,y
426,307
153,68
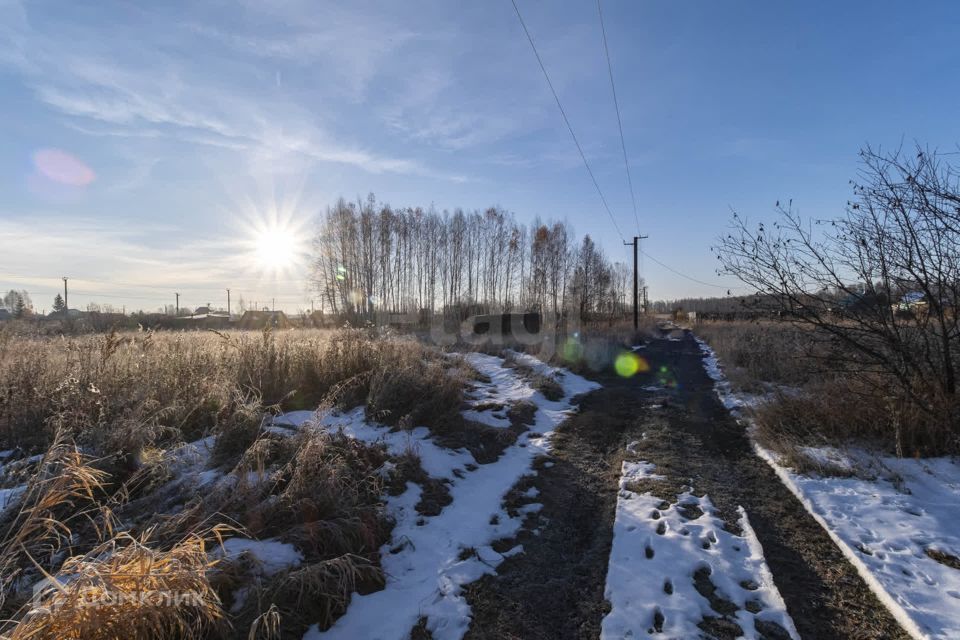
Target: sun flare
x,y
276,249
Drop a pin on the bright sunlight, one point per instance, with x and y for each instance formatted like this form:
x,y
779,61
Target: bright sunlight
x,y
276,249
275,237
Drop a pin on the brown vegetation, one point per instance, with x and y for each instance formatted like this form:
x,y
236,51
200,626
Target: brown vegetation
x,y
811,402
110,415
878,289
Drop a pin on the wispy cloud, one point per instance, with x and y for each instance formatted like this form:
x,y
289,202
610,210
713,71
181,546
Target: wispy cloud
x,y
348,48
134,91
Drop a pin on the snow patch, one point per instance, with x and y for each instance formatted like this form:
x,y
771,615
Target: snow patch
x,y
886,527
430,559
655,554
271,556
10,495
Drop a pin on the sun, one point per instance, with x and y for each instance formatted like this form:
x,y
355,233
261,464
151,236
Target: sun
x,y
274,236
276,248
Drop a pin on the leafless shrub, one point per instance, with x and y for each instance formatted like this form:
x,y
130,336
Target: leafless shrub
x,y
845,277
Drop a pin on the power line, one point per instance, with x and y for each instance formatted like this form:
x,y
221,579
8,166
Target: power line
x,y
616,104
566,120
135,285
683,275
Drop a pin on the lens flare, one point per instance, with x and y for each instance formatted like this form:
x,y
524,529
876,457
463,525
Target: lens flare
x,y
629,364
572,349
60,166
666,378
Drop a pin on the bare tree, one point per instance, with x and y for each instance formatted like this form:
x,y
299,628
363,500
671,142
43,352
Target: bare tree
x,y
369,258
879,283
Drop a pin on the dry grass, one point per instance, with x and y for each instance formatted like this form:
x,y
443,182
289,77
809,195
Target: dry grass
x,y
814,403
423,391
124,390
59,496
754,353
129,402
124,589
120,587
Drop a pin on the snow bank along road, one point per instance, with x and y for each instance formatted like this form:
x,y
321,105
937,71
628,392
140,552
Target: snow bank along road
x,y
894,519
430,559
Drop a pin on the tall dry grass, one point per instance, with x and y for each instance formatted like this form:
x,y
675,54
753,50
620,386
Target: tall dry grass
x,y
106,515
815,400
755,354
146,385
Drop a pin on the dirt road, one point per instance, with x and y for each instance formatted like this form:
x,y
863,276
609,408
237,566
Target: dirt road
x,y
556,588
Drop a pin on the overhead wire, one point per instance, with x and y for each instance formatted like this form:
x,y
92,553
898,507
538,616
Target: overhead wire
x,y
626,162
683,275
616,104
567,120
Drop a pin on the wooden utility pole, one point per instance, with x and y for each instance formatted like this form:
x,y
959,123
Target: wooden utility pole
x,y
228,303
177,312
636,282
66,305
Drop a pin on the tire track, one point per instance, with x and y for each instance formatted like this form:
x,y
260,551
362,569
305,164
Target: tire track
x,y
555,589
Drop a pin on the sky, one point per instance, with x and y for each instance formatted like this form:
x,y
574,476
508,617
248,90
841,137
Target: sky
x,y
145,146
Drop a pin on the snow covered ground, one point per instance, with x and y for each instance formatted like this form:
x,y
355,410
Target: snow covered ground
x,y
9,495
430,559
889,522
661,549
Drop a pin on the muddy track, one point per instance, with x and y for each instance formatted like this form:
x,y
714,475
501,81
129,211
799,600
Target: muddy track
x,y
555,589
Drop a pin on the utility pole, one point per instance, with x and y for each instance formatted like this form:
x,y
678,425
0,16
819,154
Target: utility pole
x,y
646,302
228,303
636,283
177,312
273,305
66,305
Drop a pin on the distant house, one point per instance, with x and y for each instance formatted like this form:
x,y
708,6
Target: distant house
x,y
202,321
912,302
72,313
913,298
77,313
319,320
264,319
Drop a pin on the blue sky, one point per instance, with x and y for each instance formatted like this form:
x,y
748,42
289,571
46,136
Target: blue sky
x,y
183,122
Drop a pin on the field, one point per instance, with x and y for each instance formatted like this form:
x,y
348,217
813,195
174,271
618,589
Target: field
x,y
358,483
804,393
145,453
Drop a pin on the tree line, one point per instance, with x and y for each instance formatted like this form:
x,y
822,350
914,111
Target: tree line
x,y
370,259
18,303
